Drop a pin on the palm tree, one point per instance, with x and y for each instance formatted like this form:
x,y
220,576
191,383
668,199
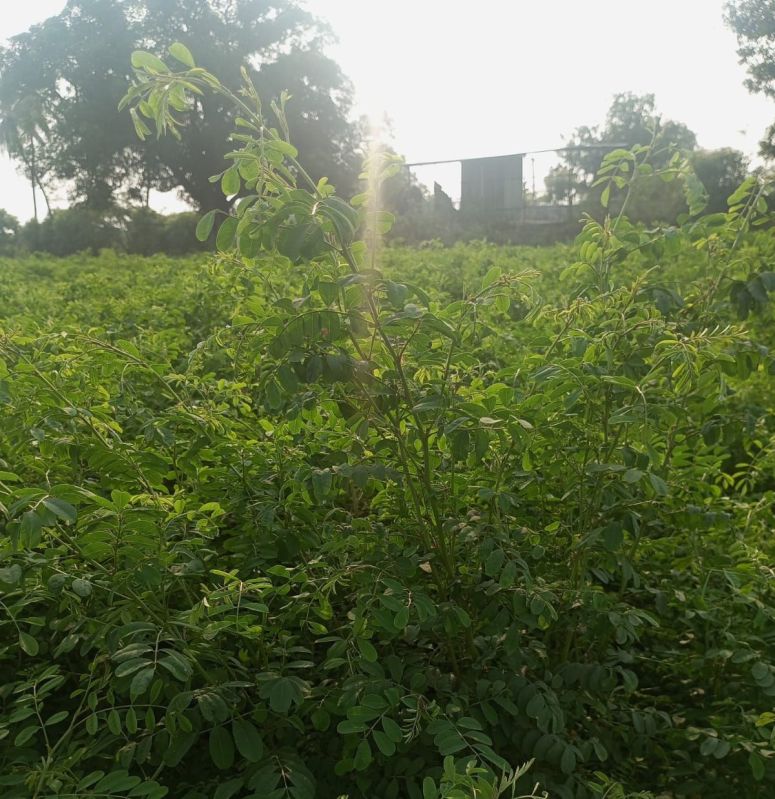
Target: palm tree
x,y
21,129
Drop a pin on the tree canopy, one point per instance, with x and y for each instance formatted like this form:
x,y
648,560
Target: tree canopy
x,y
633,120
753,21
76,65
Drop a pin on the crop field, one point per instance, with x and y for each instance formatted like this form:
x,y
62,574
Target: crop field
x,y
239,561
318,516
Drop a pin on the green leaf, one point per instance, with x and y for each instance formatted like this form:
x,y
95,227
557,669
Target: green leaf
x,y
64,510
401,619
130,666
429,790
178,748
28,644
212,707
286,148
613,536
396,293
568,761
708,746
229,788
287,378
114,722
348,727
384,744
131,721
140,682
632,475
449,740
11,575
205,226
141,129
321,483
221,748
384,222
147,61
30,528
176,665
367,650
81,587
722,750
230,182
281,694
225,239
494,562
25,735
659,485
392,730
329,292
116,782
363,756
248,740
535,706
493,274
180,52
320,719
758,768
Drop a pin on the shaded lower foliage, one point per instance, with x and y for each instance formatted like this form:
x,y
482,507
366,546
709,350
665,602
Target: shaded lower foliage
x,y
380,535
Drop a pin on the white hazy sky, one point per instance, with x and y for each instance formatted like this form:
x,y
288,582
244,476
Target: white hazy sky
x,y
460,79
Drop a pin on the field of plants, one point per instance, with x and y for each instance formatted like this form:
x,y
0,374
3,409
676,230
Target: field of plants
x,y
316,518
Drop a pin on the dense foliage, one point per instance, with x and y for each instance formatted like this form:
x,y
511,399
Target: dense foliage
x,y
60,83
753,21
633,120
317,518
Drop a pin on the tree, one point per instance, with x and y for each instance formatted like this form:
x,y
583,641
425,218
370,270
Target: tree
x,y
77,63
284,46
562,184
22,130
9,228
720,172
631,120
753,21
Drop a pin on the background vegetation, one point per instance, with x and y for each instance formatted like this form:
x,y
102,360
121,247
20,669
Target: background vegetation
x,y
60,83
310,516
319,518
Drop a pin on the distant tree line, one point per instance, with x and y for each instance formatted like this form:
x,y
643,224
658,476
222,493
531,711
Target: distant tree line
x,y
632,120
137,230
60,83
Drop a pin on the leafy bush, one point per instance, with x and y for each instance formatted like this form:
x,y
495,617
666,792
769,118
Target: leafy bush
x,y
138,231
71,230
9,227
148,232
382,535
